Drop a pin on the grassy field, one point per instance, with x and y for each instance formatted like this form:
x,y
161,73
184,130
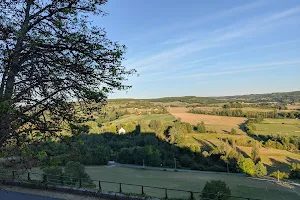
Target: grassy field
x,y
239,185
274,158
221,124
279,126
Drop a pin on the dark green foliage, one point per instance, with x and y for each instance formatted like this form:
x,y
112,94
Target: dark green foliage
x,y
216,190
75,173
53,174
295,170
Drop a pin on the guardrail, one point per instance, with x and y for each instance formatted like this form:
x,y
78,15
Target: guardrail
x,y
111,186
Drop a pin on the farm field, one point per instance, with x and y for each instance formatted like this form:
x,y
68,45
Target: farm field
x,y
220,124
278,126
274,158
239,185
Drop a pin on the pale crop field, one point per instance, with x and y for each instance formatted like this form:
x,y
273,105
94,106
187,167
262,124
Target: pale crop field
x,y
221,124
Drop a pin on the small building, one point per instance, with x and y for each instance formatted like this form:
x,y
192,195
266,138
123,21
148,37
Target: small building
x,y
122,131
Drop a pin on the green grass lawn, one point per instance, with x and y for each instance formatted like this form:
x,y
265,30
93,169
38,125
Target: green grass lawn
x,y
279,126
239,185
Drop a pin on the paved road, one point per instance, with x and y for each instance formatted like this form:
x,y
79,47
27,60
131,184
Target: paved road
x,y
7,195
110,163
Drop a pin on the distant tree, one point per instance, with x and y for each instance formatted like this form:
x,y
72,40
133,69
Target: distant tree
x,y
233,131
260,169
246,165
176,136
292,116
201,127
186,160
155,125
255,154
216,190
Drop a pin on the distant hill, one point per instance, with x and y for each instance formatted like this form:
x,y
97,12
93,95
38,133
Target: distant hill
x,y
280,97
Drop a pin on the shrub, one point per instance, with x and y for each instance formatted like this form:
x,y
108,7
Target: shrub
x,y
233,131
54,174
279,174
74,171
295,170
246,165
260,169
216,190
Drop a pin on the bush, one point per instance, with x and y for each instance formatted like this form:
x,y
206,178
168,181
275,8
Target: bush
x,y
295,170
233,131
75,171
216,190
54,174
247,166
260,169
282,175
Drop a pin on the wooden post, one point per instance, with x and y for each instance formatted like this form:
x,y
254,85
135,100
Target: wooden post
x,y
120,189
28,176
143,190
62,180
80,184
278,176
100,189
13,174
166,191
192,195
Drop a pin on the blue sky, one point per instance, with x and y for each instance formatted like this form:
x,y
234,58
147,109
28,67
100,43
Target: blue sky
x,y
206,48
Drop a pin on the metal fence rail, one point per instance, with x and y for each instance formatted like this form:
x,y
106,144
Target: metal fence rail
x,y
111,186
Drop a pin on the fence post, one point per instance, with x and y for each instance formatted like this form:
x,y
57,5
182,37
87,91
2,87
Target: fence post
x,y
62,180
120,188
143,190
28,176
100,189
45,178
192,195
80,184
166,191
13,174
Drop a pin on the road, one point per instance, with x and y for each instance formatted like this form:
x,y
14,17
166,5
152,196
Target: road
x,y
8,195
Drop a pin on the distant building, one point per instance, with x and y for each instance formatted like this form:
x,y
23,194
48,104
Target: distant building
x,y
122,131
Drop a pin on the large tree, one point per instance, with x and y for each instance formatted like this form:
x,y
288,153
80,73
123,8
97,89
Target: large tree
x,y
50,56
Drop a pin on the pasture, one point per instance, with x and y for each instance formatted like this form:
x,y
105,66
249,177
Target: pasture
x,y
220,124
278,126
195,181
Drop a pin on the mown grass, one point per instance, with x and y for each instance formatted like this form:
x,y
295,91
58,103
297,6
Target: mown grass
x,y
239,185
278,126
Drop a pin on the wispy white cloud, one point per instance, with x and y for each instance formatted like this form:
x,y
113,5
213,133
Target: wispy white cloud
x,y
226,70
161,59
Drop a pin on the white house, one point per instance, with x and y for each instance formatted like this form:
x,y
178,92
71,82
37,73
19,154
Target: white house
x,y
122,131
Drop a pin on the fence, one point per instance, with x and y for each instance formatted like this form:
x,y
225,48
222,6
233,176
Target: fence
x,y
110,186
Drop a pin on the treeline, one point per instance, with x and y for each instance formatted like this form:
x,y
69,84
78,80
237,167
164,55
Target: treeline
x,y
256,105
98,149
188,99
247,114
281,97
282,142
